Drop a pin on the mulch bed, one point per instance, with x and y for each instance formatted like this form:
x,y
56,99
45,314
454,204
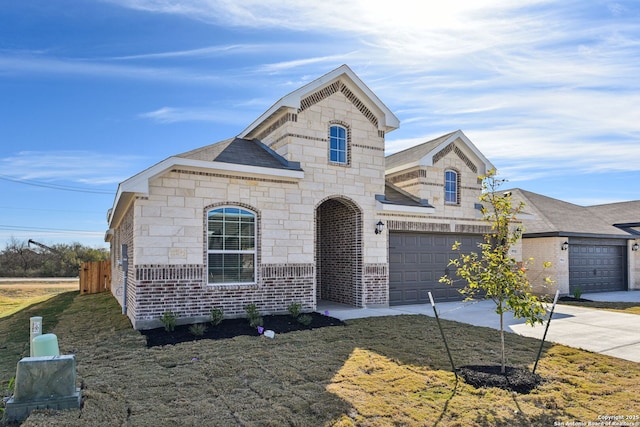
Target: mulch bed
x,y
520,380
572,299
230,328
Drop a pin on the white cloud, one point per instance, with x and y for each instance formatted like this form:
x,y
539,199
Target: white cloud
x,y
21,63
214,115
80,167
209,51
288,65
538,83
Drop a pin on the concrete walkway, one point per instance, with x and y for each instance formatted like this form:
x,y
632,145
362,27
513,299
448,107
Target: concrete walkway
x,y
600,331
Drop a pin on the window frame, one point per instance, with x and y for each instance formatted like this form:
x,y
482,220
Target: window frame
x,y
456,190
235,240
344,151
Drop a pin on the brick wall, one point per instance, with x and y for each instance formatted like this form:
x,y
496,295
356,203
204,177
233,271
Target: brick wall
x,y
339,253
123,234
181,289
376,285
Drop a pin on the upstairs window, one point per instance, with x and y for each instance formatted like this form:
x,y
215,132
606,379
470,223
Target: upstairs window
x,y
451,191
338,145
231,246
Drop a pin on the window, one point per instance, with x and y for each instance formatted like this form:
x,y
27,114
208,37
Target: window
x,y
231,245
451,187
338,144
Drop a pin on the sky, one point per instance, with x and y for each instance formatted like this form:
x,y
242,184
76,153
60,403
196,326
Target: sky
x,y
93,92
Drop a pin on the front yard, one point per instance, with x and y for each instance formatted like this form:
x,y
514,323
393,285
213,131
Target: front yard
x,y
371,372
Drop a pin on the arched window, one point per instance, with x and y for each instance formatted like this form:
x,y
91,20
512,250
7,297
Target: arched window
x,y
338,144
231,246
451,191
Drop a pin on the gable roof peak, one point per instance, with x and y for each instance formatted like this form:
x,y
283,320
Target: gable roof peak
x,y
387,122
425,154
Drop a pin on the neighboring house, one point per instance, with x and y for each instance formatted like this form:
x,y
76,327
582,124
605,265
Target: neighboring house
x,y
301,206
591,249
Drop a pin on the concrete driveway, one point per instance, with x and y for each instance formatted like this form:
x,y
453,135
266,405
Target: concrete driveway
x,y
600,331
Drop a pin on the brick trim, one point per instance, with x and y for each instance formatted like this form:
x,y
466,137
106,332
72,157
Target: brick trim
x,y
458,187
430,227
288,117
453,147
270,271
229,176
258,241
153,272
347,128
329,90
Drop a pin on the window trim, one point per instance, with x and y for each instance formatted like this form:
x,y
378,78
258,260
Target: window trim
x,y
253,251
346,151
456,192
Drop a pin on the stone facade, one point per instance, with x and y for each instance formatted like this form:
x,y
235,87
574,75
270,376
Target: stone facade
x,y
314,225
547,249
634,264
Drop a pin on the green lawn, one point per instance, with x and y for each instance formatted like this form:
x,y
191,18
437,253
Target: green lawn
x,y
372,372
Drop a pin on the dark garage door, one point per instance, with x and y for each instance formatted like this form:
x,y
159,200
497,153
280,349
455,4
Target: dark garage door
x,y
597,267
418,260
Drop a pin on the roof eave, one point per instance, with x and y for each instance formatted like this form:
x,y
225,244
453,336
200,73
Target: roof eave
x,y
139,183
391,207
577,234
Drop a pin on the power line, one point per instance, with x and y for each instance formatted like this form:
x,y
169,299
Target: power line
x,y
46,230
54,186
51,210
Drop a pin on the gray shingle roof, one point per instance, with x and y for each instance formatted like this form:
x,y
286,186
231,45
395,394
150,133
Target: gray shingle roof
x,y
397,196
618,213
254,153
556,217
242,152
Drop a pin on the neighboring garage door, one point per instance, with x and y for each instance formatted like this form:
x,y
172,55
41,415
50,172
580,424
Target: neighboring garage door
x,y
597,266
418,260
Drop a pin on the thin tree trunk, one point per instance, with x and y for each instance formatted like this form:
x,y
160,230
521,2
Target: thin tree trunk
x,y
502,339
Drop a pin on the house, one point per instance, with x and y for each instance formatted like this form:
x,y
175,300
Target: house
x,y
301,206
591,249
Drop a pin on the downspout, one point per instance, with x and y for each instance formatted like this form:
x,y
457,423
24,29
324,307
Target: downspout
x,y
125,268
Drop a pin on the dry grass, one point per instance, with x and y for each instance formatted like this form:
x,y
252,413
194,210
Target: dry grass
x,y
624,307
17,295
372,372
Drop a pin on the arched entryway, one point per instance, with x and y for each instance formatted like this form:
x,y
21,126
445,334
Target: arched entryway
x,y
339,251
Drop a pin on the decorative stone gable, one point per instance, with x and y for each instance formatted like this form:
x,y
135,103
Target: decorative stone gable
x,y
453,147
338,86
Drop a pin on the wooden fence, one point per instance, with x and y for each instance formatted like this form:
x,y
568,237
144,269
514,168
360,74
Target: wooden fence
x,y
95,277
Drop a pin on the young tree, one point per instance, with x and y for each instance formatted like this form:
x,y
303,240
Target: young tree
x,y
494,273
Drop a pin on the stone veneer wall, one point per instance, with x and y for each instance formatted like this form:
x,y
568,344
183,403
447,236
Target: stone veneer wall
x,y
182,290
543,249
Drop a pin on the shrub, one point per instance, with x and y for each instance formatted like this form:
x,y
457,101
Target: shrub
x,y
168,319
253,315
198,329
217,314
305,319
577,293
294,309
